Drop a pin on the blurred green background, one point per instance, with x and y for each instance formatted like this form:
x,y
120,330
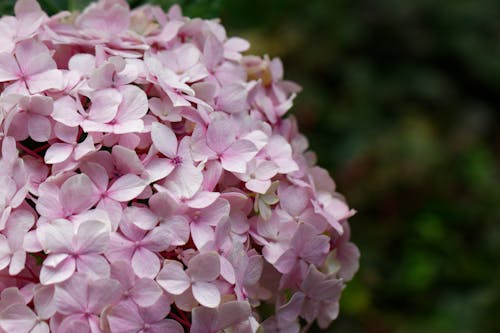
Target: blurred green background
x,y
401,102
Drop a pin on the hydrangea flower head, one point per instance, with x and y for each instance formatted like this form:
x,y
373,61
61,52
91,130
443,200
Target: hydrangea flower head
x,y
153,182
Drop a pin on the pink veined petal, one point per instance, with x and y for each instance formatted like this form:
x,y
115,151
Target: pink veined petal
x,y
128,126
146,292
204,320
157,240
65,112
41,105
266,170
93,265
221,134
34,57
218,211
213,51
227,270
83,63
97,174
126,160
237,155
113,20
102,293
17,318
126,188
125,318
4,252
204,267
145,263
232,98
185,180
258,186
75,324
17,262
157,169
84,148
39,128
315,250
71,295
173,279
201,234
164,139
286,262
203,199
134,104
91,237
51,79
56,237
166,325
104,105
141,217
43,300
40,327
9,70
62,271
177,228
294,199
77,194
206,294
102,77
232,313
58,152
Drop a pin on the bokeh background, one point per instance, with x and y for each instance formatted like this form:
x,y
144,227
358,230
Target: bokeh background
x,y
401,102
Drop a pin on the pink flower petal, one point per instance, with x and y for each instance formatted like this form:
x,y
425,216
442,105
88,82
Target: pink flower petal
x,y
58,152
206,294
173,279
164,139
126,188
204,267
145,263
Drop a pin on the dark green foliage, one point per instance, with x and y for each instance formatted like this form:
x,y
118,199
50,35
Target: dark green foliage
x,y
401,102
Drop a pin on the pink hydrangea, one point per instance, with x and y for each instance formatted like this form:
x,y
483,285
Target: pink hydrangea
x,y
151,183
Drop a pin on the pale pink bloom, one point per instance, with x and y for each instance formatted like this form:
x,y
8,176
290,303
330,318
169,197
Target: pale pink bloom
x,y
296,205
198,279
18,317
76,195
69,152
80,301
223,317
127,317
161,170
279,151
306,247
221,143
12,252
185,179
150,168
31,70
203,221
258,175
120,115
320,291
138,245
345,259
124,188
29,17
73,248
30,118
115,72
142,291
107,18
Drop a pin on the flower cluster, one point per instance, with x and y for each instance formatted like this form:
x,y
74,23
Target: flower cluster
x,y
150,182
